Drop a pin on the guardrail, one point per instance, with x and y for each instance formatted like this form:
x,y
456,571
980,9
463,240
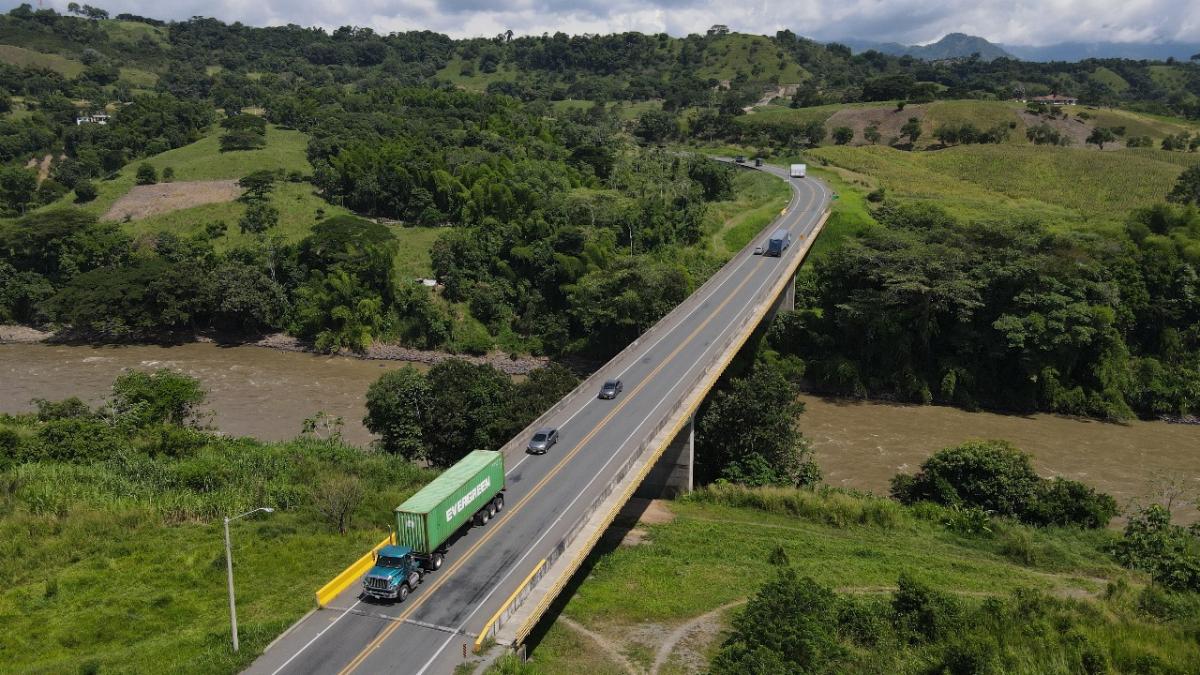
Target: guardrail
x,y
510,605
351,574
727,352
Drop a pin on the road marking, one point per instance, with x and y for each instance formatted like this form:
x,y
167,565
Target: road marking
x,y
467,555
315,638
567,508
374,644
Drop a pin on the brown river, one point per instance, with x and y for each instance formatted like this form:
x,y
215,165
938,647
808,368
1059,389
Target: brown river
x,y
253,391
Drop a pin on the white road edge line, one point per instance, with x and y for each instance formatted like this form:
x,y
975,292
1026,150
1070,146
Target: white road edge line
x,y
315,638
795,193
567,508
682,319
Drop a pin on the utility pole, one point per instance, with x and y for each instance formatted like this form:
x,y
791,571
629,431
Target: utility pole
x,y
229,570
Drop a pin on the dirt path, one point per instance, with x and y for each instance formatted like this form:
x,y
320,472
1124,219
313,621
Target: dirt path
x,y
604,643
709,622
143,201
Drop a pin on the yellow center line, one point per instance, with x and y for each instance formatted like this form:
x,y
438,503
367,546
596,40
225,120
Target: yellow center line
x,y
403,616
374,644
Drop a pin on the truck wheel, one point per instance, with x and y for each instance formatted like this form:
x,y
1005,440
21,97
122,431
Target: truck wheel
x,y
499,501
491,510
484,517
402,593
435,561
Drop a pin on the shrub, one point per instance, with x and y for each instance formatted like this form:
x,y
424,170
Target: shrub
x,y
163,396
168,175
1171,554
146,175
1069,502
85,191
991,475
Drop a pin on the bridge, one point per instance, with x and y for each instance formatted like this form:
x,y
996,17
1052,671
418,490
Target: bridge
x,y
499,579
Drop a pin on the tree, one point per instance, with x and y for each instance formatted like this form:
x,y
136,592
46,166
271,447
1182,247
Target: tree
x,y
813,133
335,497
1100,136
399,410
18,186
161,397
871,133
991,475
912,129
789,626
748,433
655,126
843,135
146,175
1187,187
242,139
472,403
258,218
258,185
168,175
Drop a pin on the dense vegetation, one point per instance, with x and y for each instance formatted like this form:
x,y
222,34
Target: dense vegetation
x,y
1007,315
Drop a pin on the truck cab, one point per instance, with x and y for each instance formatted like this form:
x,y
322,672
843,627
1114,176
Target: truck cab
x,y
396,574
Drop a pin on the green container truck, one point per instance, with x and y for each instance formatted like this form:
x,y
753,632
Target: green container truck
x,y
470,491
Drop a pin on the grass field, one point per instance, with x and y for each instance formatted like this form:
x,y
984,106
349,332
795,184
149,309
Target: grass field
x,y
28,58
982,181
752,55
96,580
759,199
715,553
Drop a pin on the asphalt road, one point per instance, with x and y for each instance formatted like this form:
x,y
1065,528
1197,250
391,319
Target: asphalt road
x,y
545,494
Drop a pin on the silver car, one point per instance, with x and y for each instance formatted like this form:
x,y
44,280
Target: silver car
x,y
542,440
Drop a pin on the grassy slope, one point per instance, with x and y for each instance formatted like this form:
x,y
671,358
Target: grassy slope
x,y
712,555
20,56
985,180
759,198
753,55
117,585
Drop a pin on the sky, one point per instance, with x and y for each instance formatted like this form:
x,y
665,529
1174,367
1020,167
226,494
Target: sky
x,y
1018,22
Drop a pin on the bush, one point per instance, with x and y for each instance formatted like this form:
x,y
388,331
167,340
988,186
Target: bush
x,y
921,613
85,191
1171,554
146,175
168,175
161,397
242,140
1069,502
998,478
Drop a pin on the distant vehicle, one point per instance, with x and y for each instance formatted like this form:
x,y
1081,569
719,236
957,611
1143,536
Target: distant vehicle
x,y
611,388
758,161
798,170
542,440
779,242
758,250
740,159
471,491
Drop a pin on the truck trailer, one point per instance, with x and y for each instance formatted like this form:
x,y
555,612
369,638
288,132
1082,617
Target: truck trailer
x,y
779,242
798,170
471,491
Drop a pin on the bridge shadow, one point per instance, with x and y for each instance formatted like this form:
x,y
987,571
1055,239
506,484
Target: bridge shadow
x,y
623,525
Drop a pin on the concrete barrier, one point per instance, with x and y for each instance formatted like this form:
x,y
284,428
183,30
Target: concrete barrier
x,y
351,574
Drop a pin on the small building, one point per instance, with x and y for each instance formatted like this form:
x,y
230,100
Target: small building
x,y
94,118
1055,99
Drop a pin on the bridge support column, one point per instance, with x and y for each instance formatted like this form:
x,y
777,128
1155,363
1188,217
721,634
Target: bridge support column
x,y
671,475
787,299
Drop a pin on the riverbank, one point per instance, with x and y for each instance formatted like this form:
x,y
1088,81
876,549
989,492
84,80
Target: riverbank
x,y
505,363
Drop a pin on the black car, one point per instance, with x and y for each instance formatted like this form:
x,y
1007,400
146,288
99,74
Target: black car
x,y
542,440
611,388
740,159
758,161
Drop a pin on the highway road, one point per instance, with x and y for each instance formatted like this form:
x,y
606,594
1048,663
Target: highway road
x,y
546,494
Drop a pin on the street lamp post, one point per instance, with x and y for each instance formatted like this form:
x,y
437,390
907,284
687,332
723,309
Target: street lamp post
x,y
229,570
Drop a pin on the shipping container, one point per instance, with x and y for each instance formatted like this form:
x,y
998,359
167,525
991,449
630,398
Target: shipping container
x,y
427,519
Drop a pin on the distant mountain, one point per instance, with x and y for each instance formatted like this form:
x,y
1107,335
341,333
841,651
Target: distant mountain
x,y
1077,51
952,46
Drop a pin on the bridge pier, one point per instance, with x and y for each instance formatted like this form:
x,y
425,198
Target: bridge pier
x,y
672,474
786,301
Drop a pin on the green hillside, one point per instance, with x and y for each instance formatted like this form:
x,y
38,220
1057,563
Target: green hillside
x,y
28,58
664,598
752,56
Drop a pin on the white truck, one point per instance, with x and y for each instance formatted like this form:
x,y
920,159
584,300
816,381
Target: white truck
x,y
798,170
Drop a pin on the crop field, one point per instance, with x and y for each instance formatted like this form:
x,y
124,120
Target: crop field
x,y
676,583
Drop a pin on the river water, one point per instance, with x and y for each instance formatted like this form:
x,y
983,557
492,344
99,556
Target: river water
x,y
254,391
863,444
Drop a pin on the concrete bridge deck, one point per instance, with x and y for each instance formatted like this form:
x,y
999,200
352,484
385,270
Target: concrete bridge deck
x,y
498,579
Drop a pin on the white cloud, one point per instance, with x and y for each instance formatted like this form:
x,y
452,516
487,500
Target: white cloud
x,y
1034,22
